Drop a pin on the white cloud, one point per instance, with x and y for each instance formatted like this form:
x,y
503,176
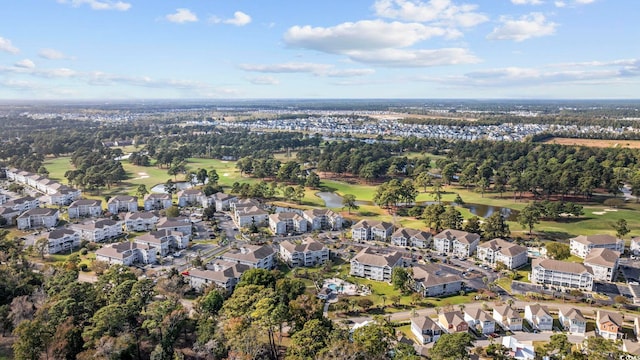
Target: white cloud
x,y
415,58
574,73
99,5
443,12
361,35
18,84
239,19
526,27
6,45
572,3
310,68
527,2
264,80
560,4
25,63
182,16
379,42
52,54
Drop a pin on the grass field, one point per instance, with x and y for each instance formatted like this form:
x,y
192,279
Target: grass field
x,y
598,219
629,144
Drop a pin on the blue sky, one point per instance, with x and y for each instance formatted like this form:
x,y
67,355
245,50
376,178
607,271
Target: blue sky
x,y
173,49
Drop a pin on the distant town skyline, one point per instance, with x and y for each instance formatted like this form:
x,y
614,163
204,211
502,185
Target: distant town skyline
x,y
222,49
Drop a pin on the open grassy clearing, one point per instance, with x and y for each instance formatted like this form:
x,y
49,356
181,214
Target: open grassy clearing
x,y
600,143
598,219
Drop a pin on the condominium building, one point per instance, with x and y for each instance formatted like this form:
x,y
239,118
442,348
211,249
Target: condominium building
x,y
583,244
308,252
458,242
494,251
561,274
370,264
603,263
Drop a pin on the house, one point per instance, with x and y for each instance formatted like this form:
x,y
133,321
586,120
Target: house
x,y
538,316
430,280
507,317
122,203
179,224
9,214
425,329
62,240
255,256
22,204
411,237
496,251
164,241
365,230
603,263
480,321
519,350
453,322
609,324
157,202
38,217
562,274
3,198
458,242
127,253
583,244
140,221
99,230
573,321
85,208
370,264
223,274
634,247
323,219
191,197
223,201
248,212
287,222
631,347
309,252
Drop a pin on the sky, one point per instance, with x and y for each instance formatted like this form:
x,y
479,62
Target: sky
x,y
259,49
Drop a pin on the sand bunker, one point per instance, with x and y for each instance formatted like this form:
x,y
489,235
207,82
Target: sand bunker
x,y
225,174
598,212
142,175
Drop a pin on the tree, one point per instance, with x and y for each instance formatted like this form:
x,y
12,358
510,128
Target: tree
x,y
313,180
621,228
260,277
400,279
32,339
495,226
452,218
437,191
423,180
201,176
529,216
170,187
558,251
433,216
452,346
308,342
473,225
598,348
365,303
558,344
349,201
375,338
141,191
42,245
173,211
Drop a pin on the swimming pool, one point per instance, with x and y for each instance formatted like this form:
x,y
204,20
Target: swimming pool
x,y
335,287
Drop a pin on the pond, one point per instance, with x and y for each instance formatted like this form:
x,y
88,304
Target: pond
x,y
485,211
181,185
331,200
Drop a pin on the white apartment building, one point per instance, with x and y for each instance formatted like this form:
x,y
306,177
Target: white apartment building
x,y
374,265
308,252
223,274
157,202
561,274
180,224
164,241
126,253
191,197
85,208
583,244
287,222
122,203
411,237
255,256
603,263
366,230
323,219
38,217
499,250
62,240
140,221
99,230
458,242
